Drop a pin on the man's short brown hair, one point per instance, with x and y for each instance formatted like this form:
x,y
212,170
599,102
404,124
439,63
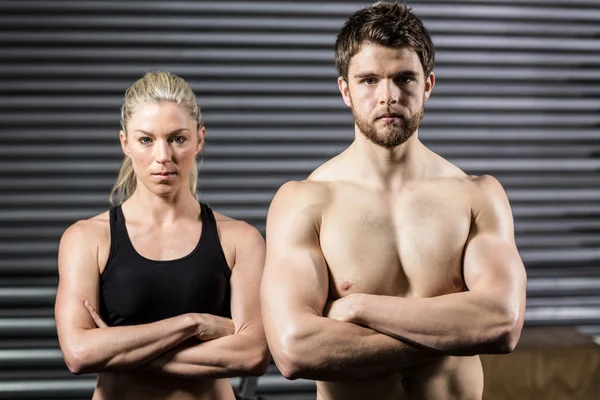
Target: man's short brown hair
x,y
387,24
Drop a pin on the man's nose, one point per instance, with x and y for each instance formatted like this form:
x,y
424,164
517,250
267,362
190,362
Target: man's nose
x,y
389,92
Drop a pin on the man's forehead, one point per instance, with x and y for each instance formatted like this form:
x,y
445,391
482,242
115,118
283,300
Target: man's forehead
x,y
373,55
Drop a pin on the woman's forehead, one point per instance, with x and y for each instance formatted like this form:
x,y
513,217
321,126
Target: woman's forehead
x,y
160,113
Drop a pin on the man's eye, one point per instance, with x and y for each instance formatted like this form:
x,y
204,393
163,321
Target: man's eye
x,y
370,81
145,140
404,80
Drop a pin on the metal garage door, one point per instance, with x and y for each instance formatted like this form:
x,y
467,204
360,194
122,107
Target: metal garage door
x,y
517,92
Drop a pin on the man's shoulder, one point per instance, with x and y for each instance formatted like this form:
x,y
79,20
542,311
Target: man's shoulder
x,y
485,186
448,171
297,209
308,192
488,196
480,191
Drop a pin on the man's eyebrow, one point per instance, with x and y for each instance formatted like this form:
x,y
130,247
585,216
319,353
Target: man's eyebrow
x,y
404,72
407,72
367,74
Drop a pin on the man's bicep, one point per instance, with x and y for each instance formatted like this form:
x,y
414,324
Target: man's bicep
x,y
491,262
295,277
491,258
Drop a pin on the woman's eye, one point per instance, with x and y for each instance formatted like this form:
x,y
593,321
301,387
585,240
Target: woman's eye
x,y
178,139
145,140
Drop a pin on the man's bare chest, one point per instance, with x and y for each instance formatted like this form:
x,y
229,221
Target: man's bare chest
x,y
408,246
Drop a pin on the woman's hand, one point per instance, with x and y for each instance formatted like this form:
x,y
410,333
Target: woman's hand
x,y
213,327
209,326
94,314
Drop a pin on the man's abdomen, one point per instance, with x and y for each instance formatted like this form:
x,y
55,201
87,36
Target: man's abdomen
x,y
383,387
448,378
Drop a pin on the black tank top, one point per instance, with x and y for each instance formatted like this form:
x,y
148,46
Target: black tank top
x,y
135,290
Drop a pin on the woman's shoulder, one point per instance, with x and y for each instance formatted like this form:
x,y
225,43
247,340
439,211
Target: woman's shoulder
x,y
239,239
237,231
90,231
86,243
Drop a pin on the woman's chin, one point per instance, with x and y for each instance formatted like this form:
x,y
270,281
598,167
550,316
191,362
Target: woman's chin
x,y
164,189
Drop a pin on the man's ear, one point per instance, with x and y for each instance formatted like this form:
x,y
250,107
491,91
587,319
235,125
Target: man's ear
x,y
201,136
429,84
345,91
124,143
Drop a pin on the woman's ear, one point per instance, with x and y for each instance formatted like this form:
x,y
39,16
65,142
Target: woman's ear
x,y
124,143
201,135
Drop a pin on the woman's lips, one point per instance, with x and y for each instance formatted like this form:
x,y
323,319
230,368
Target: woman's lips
x,y
164,175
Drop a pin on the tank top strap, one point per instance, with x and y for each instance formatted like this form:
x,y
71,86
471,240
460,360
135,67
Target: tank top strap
x,y
118,234
212,233
208,215
112,220
112,217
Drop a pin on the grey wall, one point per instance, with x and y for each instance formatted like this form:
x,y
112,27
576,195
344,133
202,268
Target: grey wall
x,y
517,96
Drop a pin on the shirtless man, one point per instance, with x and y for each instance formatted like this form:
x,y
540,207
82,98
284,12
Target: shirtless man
x,y
389,269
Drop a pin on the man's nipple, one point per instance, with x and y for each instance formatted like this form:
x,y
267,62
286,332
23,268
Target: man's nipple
x,y
458,282
346,285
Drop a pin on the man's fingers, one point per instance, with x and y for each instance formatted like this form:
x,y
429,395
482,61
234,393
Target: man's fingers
x,y
95,316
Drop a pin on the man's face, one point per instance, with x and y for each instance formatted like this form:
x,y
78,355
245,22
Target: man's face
x,y
386,90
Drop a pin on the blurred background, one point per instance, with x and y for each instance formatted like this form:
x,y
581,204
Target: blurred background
x,y
516,96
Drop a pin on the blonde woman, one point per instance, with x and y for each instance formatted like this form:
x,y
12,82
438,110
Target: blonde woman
x,y
147,288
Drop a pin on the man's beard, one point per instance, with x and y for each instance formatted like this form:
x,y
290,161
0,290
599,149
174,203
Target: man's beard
x,y
393,134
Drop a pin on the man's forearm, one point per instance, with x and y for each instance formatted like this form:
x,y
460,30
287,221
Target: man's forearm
x,y
463,323
328,350
241,354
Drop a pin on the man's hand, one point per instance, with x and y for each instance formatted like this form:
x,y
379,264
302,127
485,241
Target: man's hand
x,y
95,316
343,310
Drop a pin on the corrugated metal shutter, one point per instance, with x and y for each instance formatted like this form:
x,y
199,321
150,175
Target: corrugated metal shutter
x,y
517,94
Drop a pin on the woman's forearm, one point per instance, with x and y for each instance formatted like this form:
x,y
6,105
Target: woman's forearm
x,y
118,348
241,354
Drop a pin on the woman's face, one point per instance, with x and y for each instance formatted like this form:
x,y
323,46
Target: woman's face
x,y
162,141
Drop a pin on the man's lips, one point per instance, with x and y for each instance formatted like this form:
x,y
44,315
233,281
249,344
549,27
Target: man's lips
x,y
390,116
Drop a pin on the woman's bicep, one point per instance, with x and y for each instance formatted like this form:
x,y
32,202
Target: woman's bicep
x,y
78,281
245,279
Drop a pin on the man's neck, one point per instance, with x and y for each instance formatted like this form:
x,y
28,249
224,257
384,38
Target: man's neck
x,y
388,168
